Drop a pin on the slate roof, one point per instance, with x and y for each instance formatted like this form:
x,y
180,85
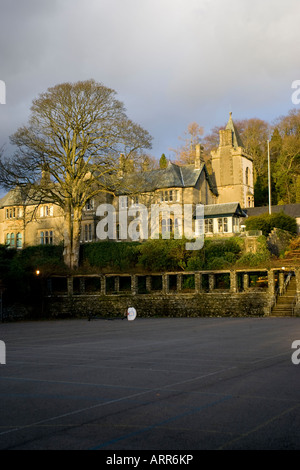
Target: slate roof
x,y
14,197
173,176
225,209
293,210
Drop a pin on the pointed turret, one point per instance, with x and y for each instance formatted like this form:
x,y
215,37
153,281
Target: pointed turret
x,y
230,135
236,139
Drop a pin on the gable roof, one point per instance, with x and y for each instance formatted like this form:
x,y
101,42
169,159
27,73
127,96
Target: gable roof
x,y
15,197
173,176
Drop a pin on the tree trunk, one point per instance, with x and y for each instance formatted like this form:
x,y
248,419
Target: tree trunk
x,y
72,229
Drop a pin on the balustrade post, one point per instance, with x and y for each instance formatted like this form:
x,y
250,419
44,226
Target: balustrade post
x,y
211,282
233,281
198,282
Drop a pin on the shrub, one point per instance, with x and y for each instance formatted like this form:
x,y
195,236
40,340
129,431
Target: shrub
x,y
266,222
105,254
17,269
160,255
226,251
255,259
295,244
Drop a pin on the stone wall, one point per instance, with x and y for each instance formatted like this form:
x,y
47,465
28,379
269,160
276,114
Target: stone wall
x,y
185,305
215,293
249,292
278,241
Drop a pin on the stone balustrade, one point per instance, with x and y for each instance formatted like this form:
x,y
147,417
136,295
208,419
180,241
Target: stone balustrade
x,y
225,292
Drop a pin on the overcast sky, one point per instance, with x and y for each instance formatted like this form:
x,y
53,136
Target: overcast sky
x,y
171,62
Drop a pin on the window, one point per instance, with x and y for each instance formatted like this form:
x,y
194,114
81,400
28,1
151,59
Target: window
x,y
135,200
209,226
178,227
247,176
236,225
46,237
88,233
123,202
90,205
19,240
169,196
166,226
11,213
118,231
250,201
46,211
222,224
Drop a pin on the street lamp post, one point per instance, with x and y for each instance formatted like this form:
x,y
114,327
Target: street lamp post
x,y
269,177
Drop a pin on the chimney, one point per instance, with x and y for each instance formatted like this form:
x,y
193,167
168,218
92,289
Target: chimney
x,y
198,157
45,174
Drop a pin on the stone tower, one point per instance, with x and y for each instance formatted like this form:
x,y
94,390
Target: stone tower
x,y
233,168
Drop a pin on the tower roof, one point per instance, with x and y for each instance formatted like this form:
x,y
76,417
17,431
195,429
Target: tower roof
x,y
236,139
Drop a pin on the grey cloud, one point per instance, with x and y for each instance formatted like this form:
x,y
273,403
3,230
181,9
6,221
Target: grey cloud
x,y
171,61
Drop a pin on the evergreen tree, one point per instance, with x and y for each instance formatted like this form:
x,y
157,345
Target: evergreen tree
x,y
163,162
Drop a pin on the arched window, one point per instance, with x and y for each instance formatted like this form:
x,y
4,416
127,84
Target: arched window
x,y
178,227
166,226
19,240
12,239
7,242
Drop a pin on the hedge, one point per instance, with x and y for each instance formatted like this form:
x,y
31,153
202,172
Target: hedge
x,y
266,222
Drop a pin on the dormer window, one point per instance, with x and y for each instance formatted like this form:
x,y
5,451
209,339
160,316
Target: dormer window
x,y
90,205
46,211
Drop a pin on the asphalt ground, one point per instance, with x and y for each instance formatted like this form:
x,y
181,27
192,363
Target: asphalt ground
x,y
181,385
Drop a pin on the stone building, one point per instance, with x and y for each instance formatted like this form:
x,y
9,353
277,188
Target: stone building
x,y
233,168
224,193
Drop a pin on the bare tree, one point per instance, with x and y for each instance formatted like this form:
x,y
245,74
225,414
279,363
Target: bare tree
x,y
185,153
74,137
